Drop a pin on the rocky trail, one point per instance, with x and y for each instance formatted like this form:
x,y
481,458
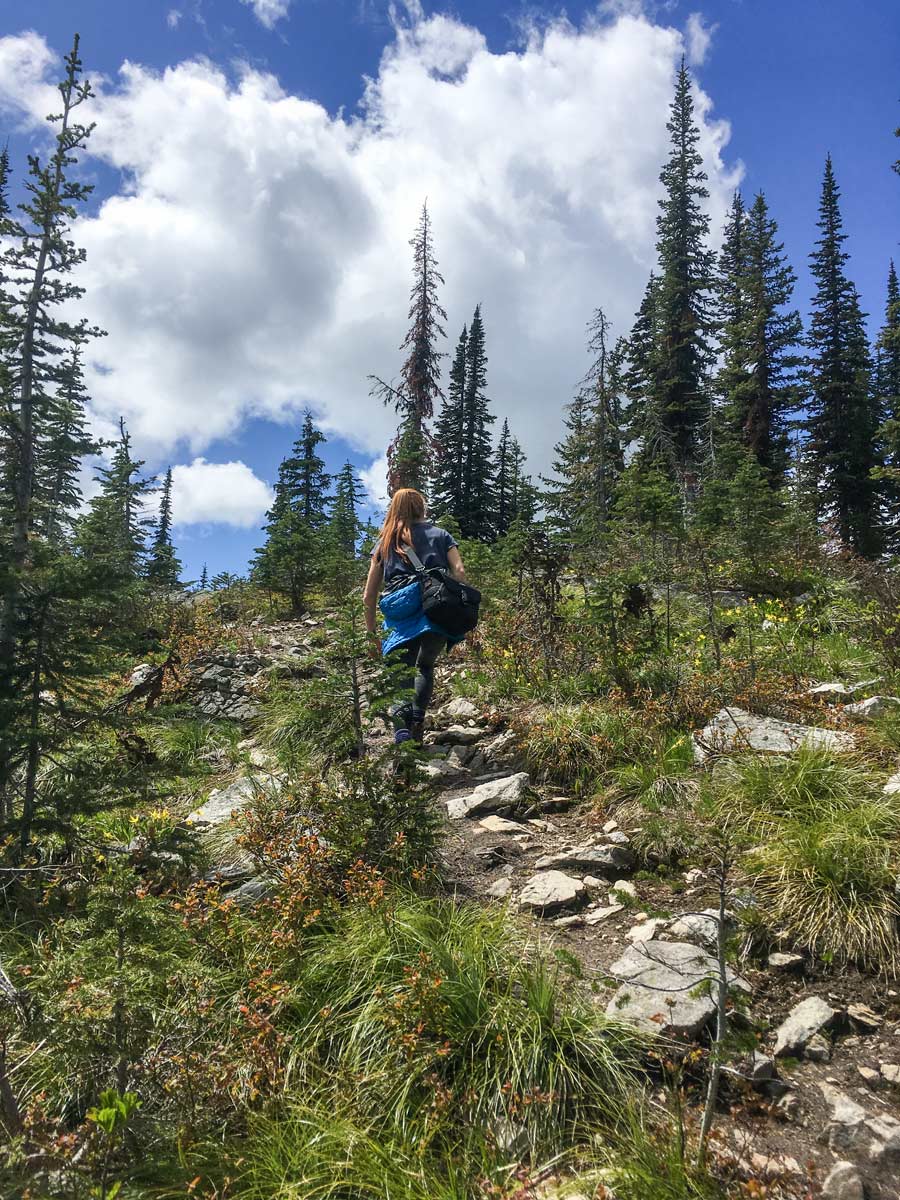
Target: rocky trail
x,y
811,1105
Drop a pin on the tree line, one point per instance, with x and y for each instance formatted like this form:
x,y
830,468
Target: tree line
x,y
715,393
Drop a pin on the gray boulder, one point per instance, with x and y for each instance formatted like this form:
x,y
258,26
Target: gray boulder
x,y
667,987
601,860
458,735
737,729
222,802
507,792
852,1128
843,1182
801,1025
460,709
549,891
701,927
872,707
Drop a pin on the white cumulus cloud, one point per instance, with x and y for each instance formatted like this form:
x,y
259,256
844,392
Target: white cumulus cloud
x,y
254,260
223,493
698,36
269,12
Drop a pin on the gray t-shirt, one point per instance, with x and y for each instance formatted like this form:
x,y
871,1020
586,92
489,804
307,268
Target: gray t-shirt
x,y
431,544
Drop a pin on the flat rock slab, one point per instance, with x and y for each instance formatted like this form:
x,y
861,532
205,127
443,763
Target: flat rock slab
x,y
843,1182
495,824
737,729
829,690
596,915
460,709
507,792
549,891
851,1127
667,987
801,1025
872,707
601,860
458,735
220,804
701,927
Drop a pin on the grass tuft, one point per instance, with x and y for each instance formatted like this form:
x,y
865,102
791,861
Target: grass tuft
x,y
825,856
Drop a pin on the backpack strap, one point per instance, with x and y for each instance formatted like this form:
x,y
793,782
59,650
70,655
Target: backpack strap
x,y
415,560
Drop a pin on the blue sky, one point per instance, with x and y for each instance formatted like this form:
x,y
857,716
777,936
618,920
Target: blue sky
x,y
247,253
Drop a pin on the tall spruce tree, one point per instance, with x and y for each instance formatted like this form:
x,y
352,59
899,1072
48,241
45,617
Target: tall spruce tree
x,y
343,520
409,454
506,481
476,511
843,417
759,336
449,439
682,351
639,370
62,444
603,385
291,560
163,565
36,276
887,375
113,530
590,458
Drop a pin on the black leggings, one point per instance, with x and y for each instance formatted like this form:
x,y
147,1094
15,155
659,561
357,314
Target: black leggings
x,y
419,656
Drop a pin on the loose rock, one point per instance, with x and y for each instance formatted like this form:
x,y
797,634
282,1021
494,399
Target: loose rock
x,y
495,824
737,729
872,707
702,927
596,915
779,961
549,891
220,804
843,1182
802,1023
507,792
664,987
460,709
596,859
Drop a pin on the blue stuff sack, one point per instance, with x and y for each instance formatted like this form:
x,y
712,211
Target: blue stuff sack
x,y
404,602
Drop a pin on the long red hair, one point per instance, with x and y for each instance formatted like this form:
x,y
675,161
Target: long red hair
x,y
407,505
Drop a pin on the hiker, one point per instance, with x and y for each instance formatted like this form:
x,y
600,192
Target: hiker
x,y
411,636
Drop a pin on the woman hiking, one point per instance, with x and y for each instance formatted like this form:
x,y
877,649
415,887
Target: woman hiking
x,y
411,636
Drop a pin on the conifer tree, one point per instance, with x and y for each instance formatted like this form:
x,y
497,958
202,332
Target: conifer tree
x,y
639,370
113,530
590,458
475,516
344,519
36,272
506,481
447,483
887,375
409,454
204,579
759,338
569,495
682,351
63,442
603,385
844,418
163,566
291,559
